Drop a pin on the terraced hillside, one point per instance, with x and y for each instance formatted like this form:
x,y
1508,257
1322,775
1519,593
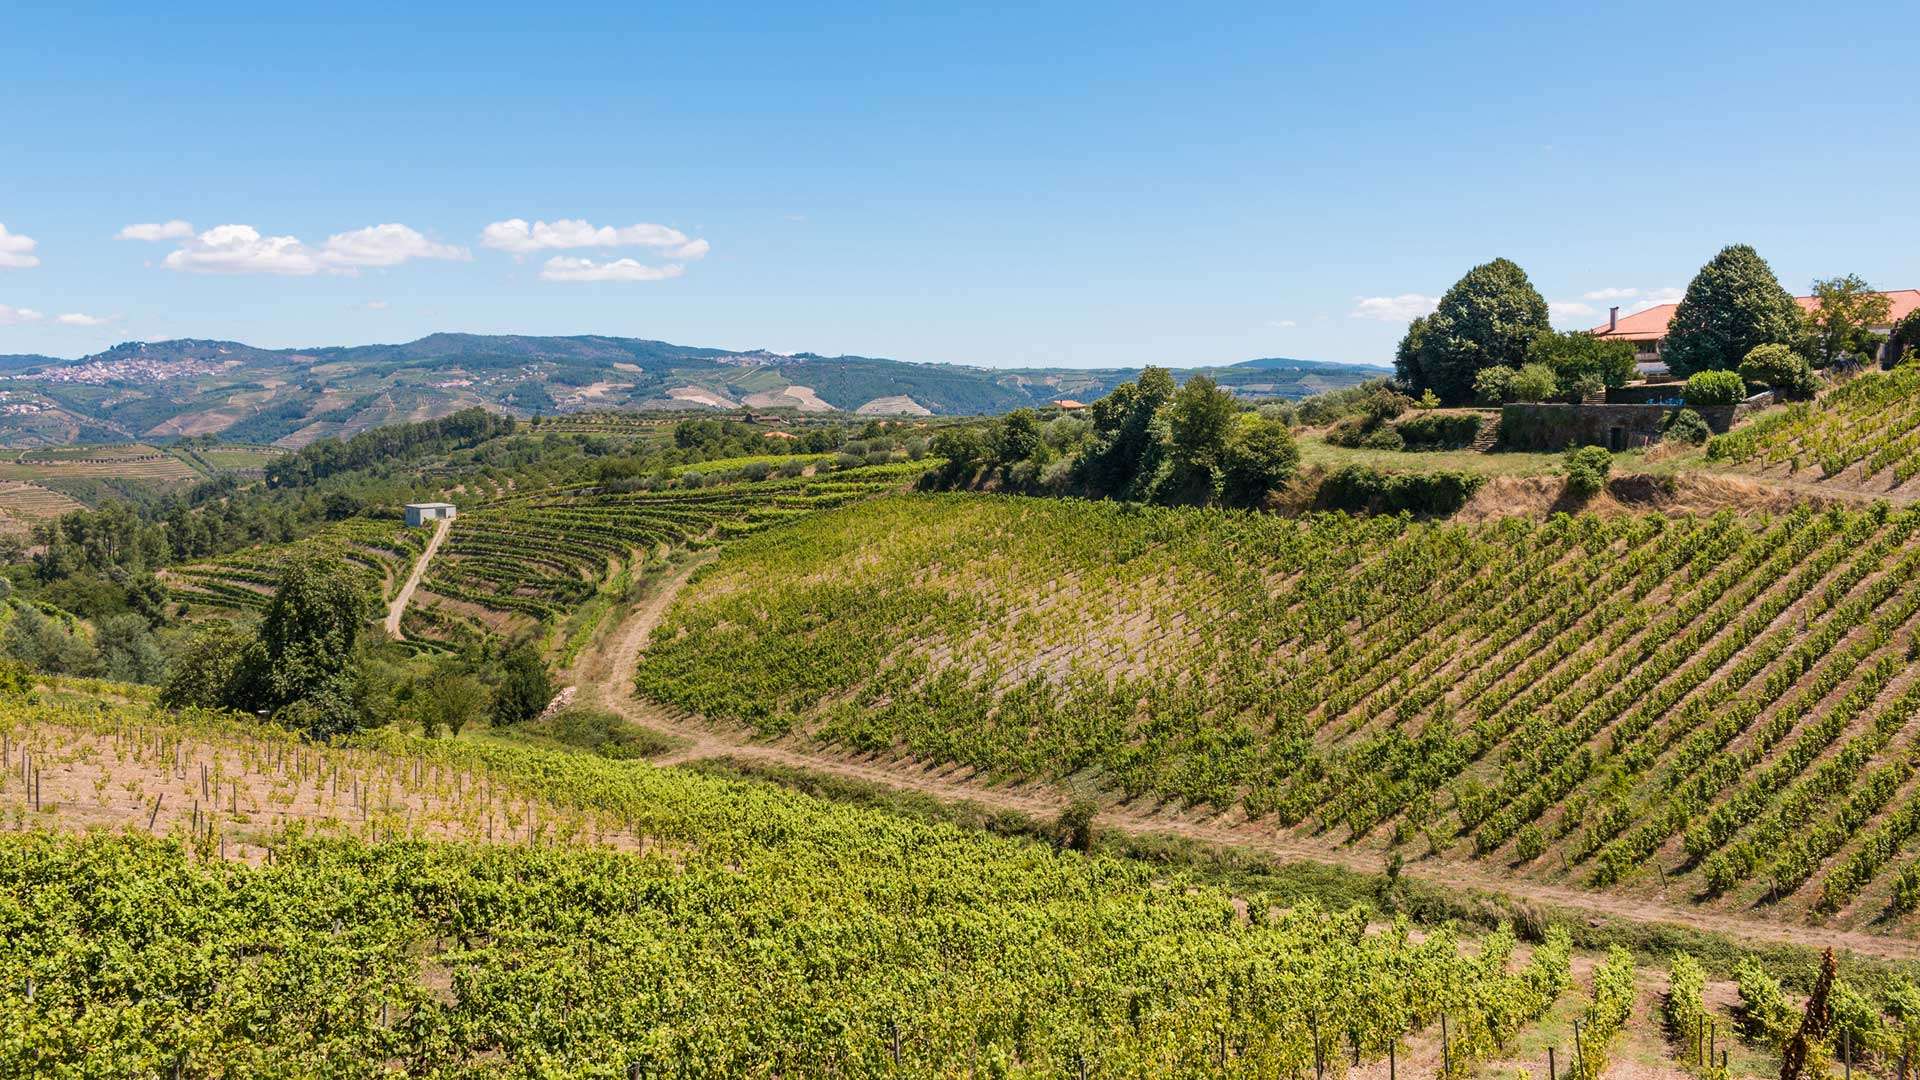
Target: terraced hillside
x,y
244,581
1865,435
634,918
536,558
1718,709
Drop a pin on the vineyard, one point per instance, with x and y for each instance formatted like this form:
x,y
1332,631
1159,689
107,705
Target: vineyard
x,y
1718,710
534,558
127,462
22,503
1864,435
629,917
244,581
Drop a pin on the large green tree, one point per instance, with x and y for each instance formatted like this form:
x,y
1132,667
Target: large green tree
x,y
1260,458
1129,437
1200,419
1733,305
1487,319
1840,324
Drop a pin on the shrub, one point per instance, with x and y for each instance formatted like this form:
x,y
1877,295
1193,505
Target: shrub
x,y
1689,427
1534,382
1384,438
1494,385
1779,367
1358,488
1587,468
1439,429
1715,387
600,732
1074,829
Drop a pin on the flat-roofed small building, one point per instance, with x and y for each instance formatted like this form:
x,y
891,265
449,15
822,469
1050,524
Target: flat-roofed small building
x,y
421,513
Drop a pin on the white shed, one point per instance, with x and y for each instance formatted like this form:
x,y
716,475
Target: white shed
x,y
421,513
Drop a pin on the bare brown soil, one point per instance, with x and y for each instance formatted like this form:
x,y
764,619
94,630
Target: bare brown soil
x,y
237,793
1689,492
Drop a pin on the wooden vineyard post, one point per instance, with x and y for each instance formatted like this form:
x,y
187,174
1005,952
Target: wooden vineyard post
x,y
1846,1051
1713,1038
1319,1062
1392,1066
1550,1073
1579,1053
1446,1048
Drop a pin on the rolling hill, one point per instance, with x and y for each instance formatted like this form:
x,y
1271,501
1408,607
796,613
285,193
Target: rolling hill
x,y
171,389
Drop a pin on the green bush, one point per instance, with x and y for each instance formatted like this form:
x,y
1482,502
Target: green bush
x,y
1778,366
600,732
1689,427
1494,385
1439,429
1587,468
1534,382
1715,387
1384,438
1359,489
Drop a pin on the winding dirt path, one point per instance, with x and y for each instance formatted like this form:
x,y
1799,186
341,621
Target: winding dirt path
x,y
399,605
604,677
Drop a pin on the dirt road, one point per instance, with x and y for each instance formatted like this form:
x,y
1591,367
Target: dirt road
x,y
604,676
399,605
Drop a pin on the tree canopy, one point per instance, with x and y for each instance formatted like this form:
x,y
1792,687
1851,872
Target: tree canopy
x,y
1489,318
1845,310
1733,305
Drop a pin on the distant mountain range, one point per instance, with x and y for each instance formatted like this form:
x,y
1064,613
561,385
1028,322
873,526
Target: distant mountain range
x,y
167,389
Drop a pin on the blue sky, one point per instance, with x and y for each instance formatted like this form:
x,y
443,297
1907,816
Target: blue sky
x,y
1070,184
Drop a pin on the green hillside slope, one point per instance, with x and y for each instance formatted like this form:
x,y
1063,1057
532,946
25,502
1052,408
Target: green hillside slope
x,y
1635,702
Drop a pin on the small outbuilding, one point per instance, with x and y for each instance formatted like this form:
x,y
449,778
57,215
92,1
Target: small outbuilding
x,y
422,513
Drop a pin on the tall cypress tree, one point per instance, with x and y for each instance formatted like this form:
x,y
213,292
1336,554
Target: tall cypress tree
x,y
1733,305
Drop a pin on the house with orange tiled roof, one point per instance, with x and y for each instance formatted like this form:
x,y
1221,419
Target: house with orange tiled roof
x,y
1648,329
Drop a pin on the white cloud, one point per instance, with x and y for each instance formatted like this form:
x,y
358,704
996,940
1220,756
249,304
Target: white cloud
x,y
13,316
384,245
566,268
1394,309
240,249
1282,324
521,238
1655,297
1636,299
1563,309
375,305
168,230
75,318
16,251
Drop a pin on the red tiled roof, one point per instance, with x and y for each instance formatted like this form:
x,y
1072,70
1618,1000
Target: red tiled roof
x,y
1648,325
1651,324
